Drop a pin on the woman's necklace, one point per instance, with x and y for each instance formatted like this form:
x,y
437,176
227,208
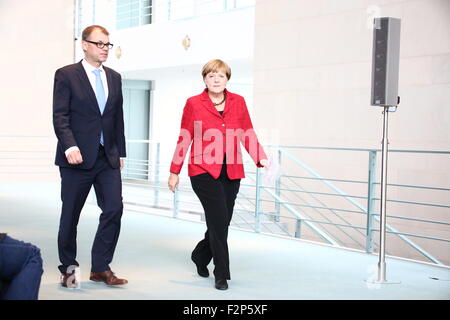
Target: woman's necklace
x,y
223,100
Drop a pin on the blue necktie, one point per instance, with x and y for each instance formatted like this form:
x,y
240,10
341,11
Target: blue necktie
x,y
100,94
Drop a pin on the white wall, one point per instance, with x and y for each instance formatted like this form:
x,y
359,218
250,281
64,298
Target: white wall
x,y
314,58
312,84
31,51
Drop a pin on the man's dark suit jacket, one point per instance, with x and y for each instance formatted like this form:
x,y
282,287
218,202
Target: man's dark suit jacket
x,y
77,120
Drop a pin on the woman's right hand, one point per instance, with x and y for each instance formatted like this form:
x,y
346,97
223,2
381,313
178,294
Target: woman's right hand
x,y
173,181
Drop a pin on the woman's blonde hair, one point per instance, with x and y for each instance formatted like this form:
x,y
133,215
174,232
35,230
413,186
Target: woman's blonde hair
x,y
215,66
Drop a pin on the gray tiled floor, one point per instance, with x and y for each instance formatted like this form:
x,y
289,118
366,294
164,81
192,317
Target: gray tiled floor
x,y
153,254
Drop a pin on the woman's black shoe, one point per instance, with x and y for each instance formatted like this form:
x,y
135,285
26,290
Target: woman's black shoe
x,y
202,271
221,284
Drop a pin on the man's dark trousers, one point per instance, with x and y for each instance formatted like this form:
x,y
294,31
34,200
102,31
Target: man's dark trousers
x,y
75,186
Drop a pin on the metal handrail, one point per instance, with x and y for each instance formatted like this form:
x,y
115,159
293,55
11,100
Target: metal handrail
x,y
298,210
362,208
361,228
325,181
357,149
328,208
300,217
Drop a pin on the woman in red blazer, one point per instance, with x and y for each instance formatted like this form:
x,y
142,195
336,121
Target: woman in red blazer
x,y
214,124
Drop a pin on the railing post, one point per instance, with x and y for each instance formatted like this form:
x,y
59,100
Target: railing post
x,y
156,177
371,200
175,203
298,228
140,12
169,6
258,201
278,190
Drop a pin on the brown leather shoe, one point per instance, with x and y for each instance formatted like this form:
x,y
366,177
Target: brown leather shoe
x,y
107,277
67,281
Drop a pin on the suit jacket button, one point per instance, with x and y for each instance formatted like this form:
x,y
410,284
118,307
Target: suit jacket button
x,y
223,124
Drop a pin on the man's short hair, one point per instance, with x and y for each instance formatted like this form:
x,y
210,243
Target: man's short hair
x,y
88,30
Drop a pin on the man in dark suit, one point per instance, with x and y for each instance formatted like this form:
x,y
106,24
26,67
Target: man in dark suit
x,y
88,122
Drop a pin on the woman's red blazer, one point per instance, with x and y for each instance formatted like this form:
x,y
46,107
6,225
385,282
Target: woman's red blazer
x,y
211,135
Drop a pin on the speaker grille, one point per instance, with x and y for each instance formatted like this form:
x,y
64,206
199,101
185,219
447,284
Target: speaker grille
x,y
385,60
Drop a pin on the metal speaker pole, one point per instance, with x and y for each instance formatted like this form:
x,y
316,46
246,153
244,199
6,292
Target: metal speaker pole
x,y
385,67
384,165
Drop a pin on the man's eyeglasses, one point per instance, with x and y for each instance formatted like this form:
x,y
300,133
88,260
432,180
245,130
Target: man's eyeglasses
x,y
101,45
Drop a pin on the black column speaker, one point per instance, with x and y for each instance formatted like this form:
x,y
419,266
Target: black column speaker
x,y
385,62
